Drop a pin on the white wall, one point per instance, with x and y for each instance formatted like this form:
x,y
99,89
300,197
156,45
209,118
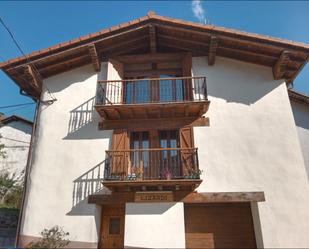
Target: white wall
x,y
67,167
154,225
252,145
301,117
16,139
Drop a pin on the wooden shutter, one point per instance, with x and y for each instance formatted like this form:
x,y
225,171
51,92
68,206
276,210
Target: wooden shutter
x,y
120,143
187,154
186,72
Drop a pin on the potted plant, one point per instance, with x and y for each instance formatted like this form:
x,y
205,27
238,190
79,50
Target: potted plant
x,y
167,173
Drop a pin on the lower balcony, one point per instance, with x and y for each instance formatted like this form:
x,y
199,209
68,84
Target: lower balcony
x,y
152,169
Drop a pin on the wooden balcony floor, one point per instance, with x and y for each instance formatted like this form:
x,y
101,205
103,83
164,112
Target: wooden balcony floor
x,y
153,110
153,185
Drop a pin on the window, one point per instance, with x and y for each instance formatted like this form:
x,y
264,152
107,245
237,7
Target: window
x,y
139,142
170,166
170,90
114,225
141,90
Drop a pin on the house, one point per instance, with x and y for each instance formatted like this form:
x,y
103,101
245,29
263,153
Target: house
x,y
300,108
163,133
15,136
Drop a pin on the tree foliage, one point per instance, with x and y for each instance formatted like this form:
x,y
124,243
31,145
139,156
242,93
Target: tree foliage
x,y
51,238
2,152
10,191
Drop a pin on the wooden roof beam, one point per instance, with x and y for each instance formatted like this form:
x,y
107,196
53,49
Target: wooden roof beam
x,y
212,50
94,57
152,38
280,67
34,75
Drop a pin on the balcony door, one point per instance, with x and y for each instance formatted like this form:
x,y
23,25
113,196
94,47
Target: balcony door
x,y
139,155
170,157
163,88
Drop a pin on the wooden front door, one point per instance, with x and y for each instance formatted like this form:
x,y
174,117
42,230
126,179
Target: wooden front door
x,y
112,227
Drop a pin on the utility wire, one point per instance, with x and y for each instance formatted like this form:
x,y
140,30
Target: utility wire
x,y
17,109
22,52
9,106
12,36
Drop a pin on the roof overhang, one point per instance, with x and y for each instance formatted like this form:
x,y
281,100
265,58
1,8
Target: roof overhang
x,y
6,120
298,97
160,34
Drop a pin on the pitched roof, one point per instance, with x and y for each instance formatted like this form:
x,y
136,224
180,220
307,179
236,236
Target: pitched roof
x,y
6,120
298,97
175,35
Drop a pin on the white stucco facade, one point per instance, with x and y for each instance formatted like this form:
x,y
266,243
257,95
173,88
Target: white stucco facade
x,y
154,225
16,136
301,117
250,145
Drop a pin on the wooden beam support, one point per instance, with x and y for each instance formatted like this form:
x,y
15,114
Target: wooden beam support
x,y
35,77
212,50
280,66
217,197
119,114
182,196
94,57
163,123
186,110
152,38
149,58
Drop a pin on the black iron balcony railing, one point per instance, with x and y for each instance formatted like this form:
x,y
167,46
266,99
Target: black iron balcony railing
x,y
152,164
153,90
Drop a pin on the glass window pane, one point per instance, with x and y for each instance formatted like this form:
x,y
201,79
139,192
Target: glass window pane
x,y
114,225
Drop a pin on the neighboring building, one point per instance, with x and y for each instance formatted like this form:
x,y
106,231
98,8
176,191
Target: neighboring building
x,y
117,155
16,135
300,108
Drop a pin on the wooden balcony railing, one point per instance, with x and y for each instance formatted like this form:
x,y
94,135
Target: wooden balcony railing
x,y
153,90
152,164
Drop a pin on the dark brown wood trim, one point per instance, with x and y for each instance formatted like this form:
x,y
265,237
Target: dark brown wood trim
x,y
163,123
94,57
221,197
34,76
150,58
280,67
212,50
152,38
182,196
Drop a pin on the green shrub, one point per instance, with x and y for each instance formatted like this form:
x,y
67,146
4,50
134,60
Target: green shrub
x,y
51,238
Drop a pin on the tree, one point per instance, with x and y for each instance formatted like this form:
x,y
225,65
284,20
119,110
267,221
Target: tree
x,y
10,191
2,152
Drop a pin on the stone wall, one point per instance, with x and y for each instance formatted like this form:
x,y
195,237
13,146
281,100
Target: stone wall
x,y
8,225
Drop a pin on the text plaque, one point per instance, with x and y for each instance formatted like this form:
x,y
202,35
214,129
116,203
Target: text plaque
x,y
154,196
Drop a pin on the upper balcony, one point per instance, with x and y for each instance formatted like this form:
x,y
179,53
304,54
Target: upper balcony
x,y
152,98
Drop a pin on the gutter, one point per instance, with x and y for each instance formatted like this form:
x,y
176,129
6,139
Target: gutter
x,y
27,172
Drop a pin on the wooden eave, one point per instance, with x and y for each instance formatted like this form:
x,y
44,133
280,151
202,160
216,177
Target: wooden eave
x,y
153,33
298,97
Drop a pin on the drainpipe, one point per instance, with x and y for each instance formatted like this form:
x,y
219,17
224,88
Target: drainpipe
x,y
28,169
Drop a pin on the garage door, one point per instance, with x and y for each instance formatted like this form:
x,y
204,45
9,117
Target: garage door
x,y
219,226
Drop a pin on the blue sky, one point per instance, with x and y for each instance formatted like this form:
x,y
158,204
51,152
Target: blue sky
x,y
37,25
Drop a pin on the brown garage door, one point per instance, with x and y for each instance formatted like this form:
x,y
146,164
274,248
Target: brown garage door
x,y
219,226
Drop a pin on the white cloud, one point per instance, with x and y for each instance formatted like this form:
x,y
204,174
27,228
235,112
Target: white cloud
x,y
198,10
